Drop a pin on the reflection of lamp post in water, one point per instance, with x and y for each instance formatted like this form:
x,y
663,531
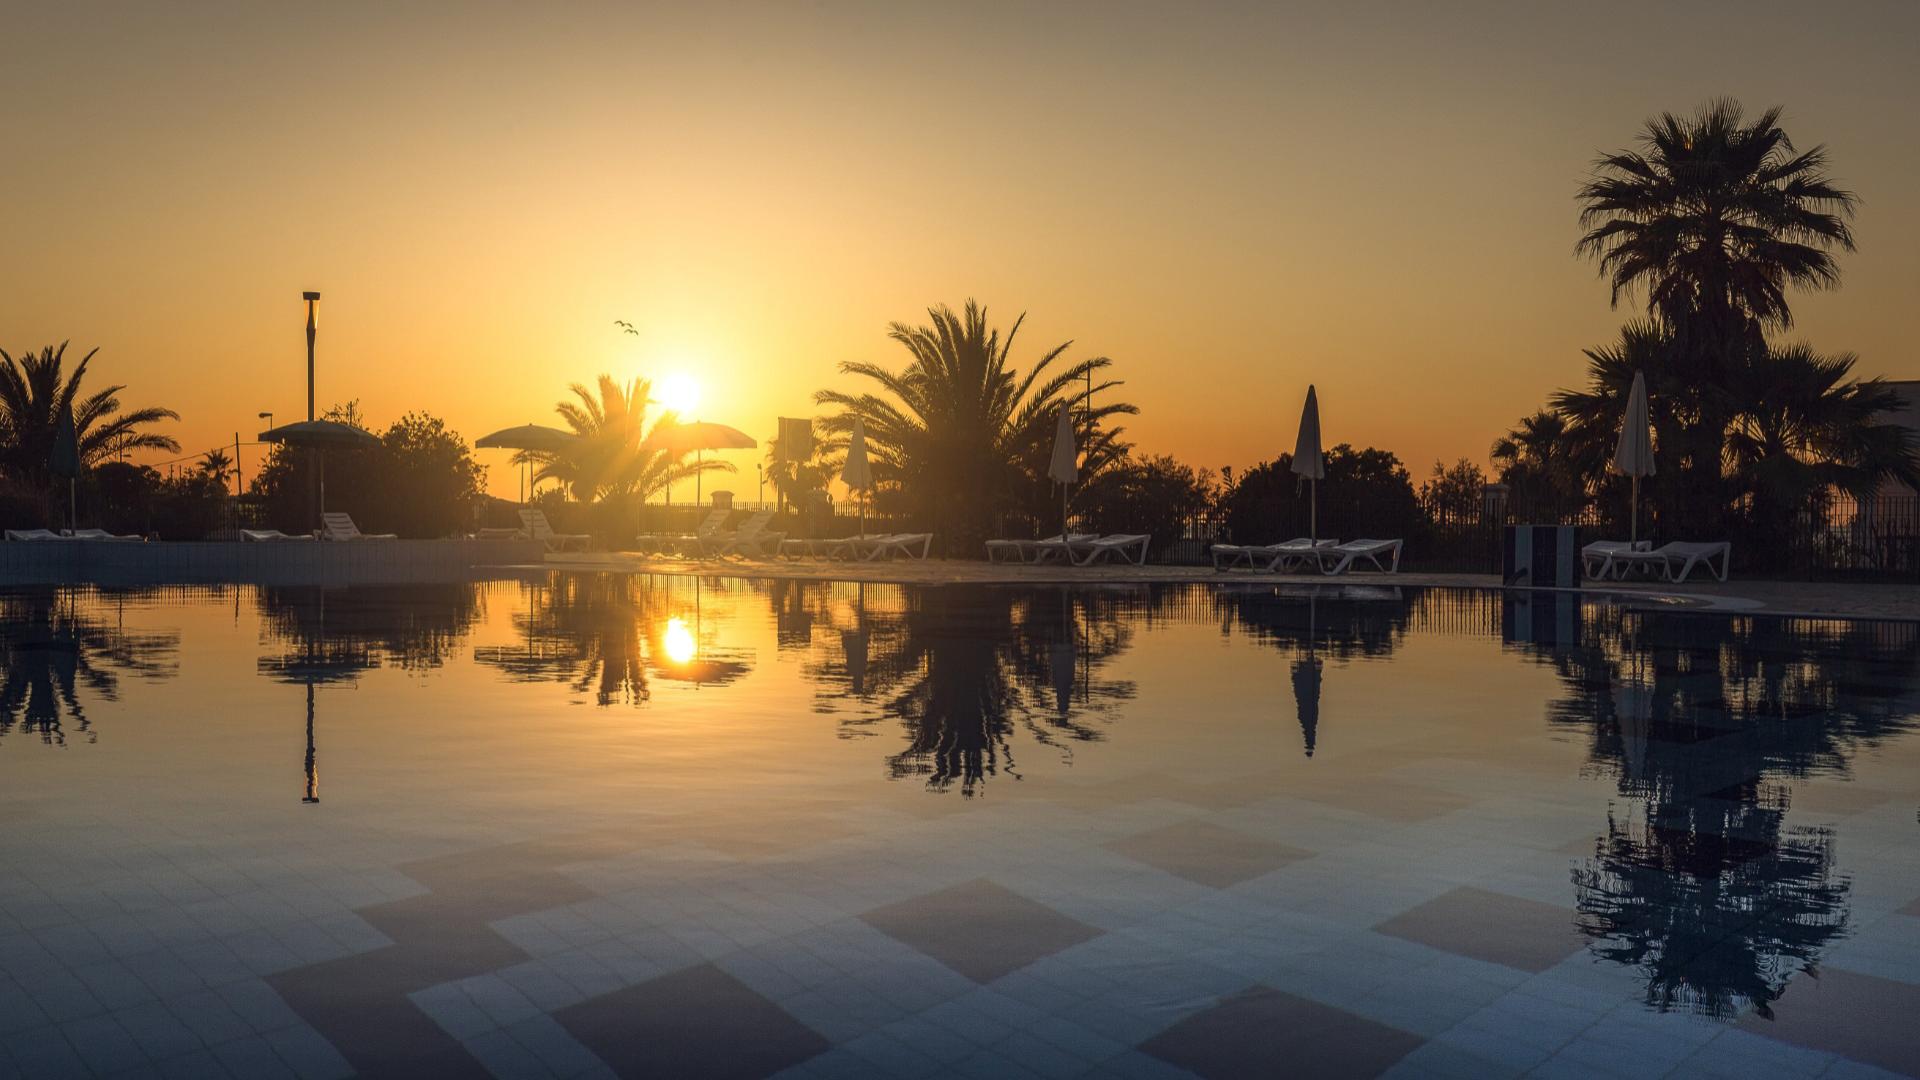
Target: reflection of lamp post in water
x,y
313,770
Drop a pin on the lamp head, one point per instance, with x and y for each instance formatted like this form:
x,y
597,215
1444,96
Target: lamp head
x,y
309,295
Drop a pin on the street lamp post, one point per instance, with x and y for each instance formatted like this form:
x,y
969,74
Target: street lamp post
x,y
313,324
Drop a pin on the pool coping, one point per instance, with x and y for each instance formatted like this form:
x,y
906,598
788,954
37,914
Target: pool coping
x,y
1897,602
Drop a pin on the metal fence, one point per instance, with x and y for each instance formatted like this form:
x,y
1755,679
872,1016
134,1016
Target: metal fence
x,y
1835,536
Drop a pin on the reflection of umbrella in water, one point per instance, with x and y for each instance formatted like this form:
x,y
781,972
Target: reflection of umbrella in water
x,y
698,437
534,437
316,662
1062,661
1306,684
321,436
854,644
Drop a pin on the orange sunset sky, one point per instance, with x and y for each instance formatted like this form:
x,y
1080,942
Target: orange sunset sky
x,y
1231,201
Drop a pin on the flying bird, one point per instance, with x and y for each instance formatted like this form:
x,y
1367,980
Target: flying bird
x,y
627,326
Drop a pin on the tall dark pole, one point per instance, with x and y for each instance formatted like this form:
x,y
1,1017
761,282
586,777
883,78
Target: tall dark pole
x,y
313,324
316,488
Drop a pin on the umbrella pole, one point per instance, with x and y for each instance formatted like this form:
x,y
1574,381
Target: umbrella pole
x,y
1063,511
699,456
73,512
1633,533
1313,510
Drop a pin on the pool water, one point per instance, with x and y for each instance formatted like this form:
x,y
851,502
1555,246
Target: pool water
x,y
571,825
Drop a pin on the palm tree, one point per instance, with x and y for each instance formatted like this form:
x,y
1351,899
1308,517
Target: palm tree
x,y
36,389
610,460
216,466
1536,464
1714,218
954,437
1796,424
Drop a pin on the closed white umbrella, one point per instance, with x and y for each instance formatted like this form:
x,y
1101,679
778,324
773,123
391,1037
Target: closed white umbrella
x,y
1634,455
857,474
1061,469
1309,462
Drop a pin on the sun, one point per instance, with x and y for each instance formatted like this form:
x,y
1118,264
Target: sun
x,y
679,393
678,641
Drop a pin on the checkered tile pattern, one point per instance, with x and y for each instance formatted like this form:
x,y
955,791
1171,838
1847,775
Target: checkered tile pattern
x,y
1186,896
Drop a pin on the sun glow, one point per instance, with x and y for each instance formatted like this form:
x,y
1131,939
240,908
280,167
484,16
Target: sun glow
x,y
679,393
678,641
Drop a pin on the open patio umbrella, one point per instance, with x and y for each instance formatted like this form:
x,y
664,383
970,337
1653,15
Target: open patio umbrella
x,y
65,460
1061,469
321,436
1634,455
697,438
1308,461
856,473
527,437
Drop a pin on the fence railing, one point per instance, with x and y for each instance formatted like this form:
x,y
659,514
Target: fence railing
x,y
1835,536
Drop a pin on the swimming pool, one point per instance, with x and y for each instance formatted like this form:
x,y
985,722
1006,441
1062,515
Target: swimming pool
x,y
585,825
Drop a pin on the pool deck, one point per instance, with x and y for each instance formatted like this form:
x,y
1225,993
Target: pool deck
x,y
1808,598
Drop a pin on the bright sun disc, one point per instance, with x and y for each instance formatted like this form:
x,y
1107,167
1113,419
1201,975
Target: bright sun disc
x,y
680,394
679,642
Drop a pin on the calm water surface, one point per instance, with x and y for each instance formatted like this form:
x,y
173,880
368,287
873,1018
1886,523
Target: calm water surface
x,y
585,825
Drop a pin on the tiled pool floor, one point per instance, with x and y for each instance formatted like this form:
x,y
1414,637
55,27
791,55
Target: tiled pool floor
x,y
589,825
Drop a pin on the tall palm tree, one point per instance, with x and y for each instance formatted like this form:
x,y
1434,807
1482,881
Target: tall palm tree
x,y
1796,424
1714,218
36,388
609,459
952,436
217,465
1536,464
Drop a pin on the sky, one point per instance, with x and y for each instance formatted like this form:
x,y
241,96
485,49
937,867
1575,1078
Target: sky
x,y
1230,201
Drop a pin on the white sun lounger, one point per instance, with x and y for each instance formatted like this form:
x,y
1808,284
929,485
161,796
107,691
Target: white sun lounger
x,y
1027,551
751,539
1128,547
1675,561
709,526
1597,558
266,536
1282,556
33,534
534,521
102,534
335,525
873,549
1339,558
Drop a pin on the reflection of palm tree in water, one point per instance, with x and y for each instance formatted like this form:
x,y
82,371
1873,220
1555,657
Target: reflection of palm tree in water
x,y
1699,881
962,670
57,646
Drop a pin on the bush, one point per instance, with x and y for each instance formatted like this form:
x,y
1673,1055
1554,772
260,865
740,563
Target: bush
x,y
421,481
1366,493
1154,495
